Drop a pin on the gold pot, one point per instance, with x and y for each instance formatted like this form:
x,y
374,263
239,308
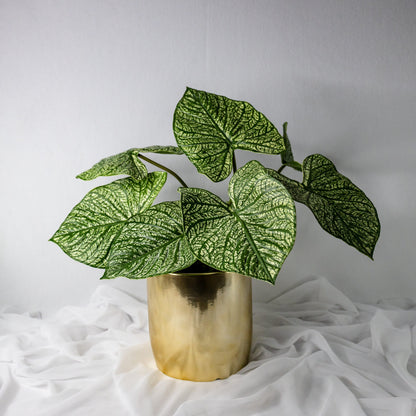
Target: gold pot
x,y
200,324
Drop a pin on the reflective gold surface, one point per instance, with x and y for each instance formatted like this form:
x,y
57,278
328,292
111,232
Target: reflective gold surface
x,y
200,324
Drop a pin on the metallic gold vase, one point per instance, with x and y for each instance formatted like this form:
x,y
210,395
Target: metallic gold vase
x,y
200,324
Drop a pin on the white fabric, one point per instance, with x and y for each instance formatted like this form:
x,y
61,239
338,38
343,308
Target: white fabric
x,y
314,353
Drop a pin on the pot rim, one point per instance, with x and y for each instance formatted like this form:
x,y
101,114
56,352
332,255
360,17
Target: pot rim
x,y
194,273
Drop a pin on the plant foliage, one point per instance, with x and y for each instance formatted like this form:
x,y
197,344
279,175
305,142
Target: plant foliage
x,y
90,228
253,234
117,227
209,128
340,207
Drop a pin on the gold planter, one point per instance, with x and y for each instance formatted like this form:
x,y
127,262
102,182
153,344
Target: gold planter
x,y
200,324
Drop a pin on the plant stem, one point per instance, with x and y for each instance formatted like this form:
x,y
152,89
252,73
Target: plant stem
x,y
179,179
234,163
281,168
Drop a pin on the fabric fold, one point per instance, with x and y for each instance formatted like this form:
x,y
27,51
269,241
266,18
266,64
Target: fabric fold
x,y
314,352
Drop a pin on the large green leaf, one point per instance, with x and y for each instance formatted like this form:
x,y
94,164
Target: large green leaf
x,y
341,208
90,228
252,235
150,243
126,163
209,127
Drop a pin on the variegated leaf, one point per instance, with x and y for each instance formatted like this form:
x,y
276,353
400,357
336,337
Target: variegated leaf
x,y
166,150
252,235
150,243
90,228
341,208
126,163
209,127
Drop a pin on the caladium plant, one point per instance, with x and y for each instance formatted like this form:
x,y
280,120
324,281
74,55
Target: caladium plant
x,y
117,227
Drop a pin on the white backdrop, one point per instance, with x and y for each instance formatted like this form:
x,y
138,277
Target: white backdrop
x,y
84,79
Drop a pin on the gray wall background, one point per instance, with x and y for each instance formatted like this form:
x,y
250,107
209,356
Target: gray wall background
x,y
84,79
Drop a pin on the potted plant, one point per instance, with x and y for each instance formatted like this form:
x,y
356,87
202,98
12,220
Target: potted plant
x,y
200,251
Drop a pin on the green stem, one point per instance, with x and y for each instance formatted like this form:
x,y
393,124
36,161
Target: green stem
x,y
281,168
234,163
179,179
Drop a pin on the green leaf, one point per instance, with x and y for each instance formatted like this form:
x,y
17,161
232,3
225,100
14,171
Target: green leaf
x,y
166,150
90,228
150,244
209,127
252,235
126,163
341,208
287,154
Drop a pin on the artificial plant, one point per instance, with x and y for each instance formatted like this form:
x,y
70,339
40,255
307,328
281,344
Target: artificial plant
x,y
117,228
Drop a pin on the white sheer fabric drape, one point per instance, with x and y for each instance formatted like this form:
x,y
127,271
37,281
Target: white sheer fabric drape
x,y
314,353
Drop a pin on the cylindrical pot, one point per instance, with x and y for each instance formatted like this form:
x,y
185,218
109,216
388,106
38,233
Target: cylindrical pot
x,y
200,324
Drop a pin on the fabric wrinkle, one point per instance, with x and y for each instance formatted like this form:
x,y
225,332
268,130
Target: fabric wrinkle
x,y
314,352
